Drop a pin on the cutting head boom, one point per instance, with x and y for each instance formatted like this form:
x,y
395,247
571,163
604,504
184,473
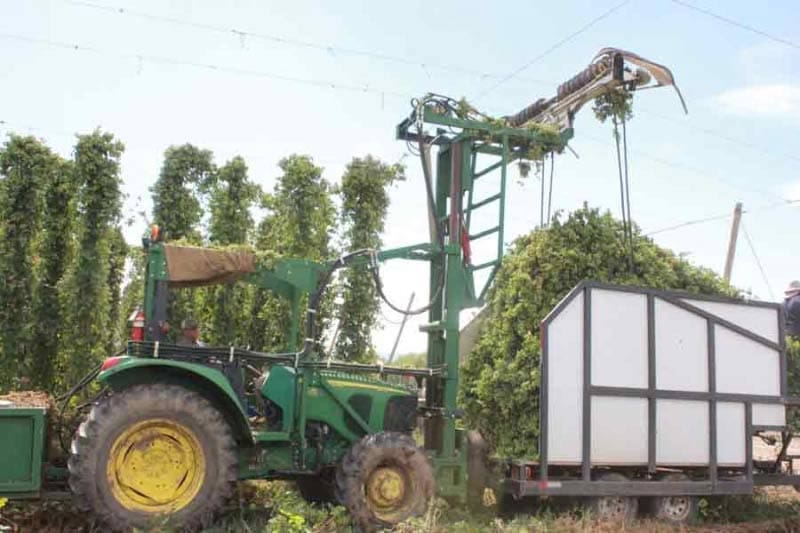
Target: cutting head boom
x,y
610,69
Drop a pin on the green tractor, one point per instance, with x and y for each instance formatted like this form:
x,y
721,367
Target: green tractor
x,y
181,425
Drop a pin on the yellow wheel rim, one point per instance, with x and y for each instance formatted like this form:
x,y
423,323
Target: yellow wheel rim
x,y
388,493
156,466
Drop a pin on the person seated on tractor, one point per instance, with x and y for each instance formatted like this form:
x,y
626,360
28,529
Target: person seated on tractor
x,y
190,334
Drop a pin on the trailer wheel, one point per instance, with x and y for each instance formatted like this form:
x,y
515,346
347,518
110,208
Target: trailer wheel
x,y
618,508
384,479
674,509
153,455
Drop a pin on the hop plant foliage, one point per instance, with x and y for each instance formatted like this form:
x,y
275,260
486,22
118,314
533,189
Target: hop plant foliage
x,y
186,175
616,104
26,166
118,252
85,294
365,199
500,379
299,224
232,197
56,249
179,197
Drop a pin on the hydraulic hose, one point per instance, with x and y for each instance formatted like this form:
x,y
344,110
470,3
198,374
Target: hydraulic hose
x,y
67,396
434,297
316,299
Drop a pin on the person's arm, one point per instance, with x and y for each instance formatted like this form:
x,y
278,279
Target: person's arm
x,y
793,310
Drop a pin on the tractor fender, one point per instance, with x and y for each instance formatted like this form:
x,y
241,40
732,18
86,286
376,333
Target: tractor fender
x,y
209,382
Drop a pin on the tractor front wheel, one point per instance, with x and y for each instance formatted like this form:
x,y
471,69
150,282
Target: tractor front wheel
x,y
153,455
384,479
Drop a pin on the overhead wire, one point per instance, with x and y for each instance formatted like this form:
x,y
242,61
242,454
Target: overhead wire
x,y
758,260
723,136
339,49
738,24
329,48
688,223
335,85
16,125
553,48
784,203
320,83
365,88
688,167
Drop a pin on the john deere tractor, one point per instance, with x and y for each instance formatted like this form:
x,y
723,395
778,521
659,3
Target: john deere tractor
x,y
181,425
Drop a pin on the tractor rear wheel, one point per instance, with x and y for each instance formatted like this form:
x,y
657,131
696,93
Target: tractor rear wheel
x,y
384,479
153,455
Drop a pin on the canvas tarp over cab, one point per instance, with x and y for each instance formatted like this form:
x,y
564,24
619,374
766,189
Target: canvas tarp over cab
x,y
189,266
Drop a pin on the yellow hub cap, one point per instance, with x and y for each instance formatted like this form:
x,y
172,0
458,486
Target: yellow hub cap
x,y
156,466
387,491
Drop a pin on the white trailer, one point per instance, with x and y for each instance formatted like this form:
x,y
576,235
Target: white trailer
x,y
650,393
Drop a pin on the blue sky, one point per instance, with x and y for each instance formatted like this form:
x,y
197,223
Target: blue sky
x,y
738,143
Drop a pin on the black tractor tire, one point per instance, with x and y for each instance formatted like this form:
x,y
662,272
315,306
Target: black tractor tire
x,y
615,508
478,471
674,510
384,479
318,489
104,440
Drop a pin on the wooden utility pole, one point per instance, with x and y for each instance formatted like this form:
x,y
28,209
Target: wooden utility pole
x,y
737,217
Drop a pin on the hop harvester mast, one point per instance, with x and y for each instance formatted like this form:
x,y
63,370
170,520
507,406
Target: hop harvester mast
x,y
470,147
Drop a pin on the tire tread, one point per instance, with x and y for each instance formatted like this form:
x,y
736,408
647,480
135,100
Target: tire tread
x,y
86,479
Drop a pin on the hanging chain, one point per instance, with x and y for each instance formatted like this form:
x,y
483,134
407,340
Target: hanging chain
x,y
550,189
624,188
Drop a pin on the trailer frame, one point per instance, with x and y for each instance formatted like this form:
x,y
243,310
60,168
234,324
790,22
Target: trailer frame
x,y
536,478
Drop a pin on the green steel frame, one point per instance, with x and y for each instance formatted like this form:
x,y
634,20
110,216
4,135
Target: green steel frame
x,y
454,205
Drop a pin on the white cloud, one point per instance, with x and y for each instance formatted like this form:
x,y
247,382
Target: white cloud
x,y
777,100
792,191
